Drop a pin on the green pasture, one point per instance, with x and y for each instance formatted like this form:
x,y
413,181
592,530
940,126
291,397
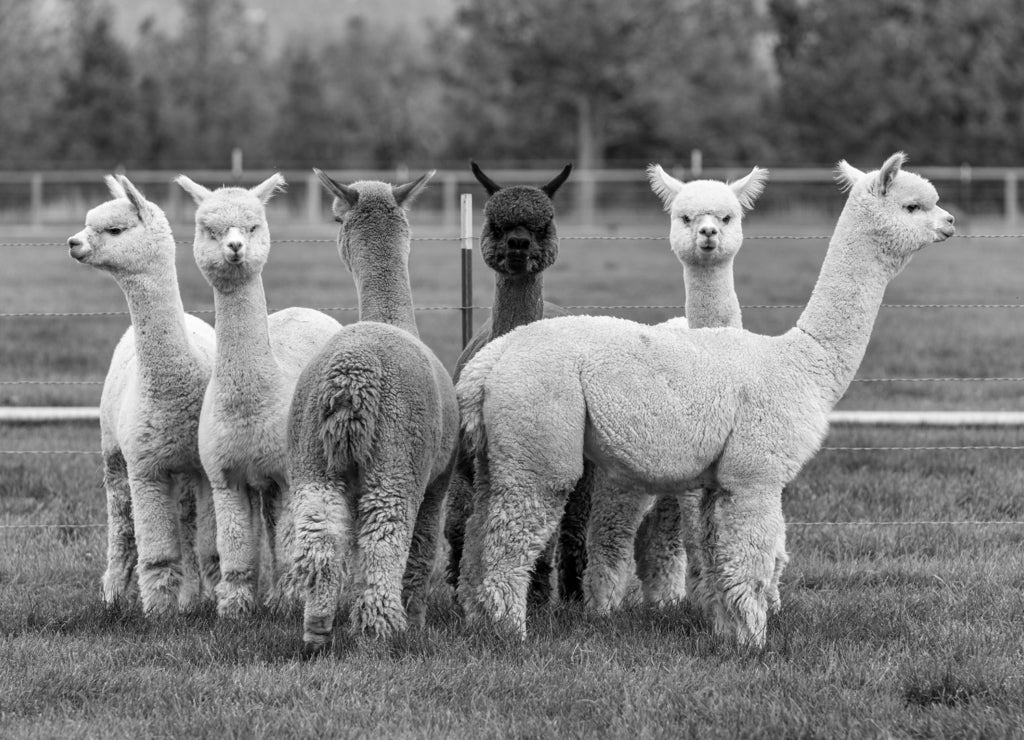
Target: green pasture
x,y
904,620
894,629
594,270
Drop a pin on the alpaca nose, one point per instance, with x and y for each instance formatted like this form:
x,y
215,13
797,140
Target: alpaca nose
x,y
74,241
950,219
234,246
708,231
518,243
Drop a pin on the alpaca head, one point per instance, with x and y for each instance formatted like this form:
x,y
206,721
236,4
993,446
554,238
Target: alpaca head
x,y
374,229
232,241
124,236
898,210
519,235
706,216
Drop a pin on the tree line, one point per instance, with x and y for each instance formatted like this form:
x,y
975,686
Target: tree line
x,y
602,82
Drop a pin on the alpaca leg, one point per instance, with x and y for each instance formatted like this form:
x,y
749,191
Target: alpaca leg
x,y
459,507
471,568
323,526
185,490
268,498
423,551
661,561
615,514
572,537
206,538
238,541
121,553
159,544
522,515
744,538
387,506
781,559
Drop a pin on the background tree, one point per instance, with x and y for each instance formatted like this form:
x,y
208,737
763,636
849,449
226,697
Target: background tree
x,y
941,78
29,78
635,78
94,120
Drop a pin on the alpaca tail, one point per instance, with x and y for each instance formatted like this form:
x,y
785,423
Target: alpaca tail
x,y
470,391
349,403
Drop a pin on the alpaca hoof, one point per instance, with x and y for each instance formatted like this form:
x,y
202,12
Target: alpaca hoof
x,y
317,631
236,597
311,650
377,615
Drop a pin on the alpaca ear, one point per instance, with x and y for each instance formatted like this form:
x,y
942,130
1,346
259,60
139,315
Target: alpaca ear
x,y
663,184
846,175
266,189
889,170
406,194
552,187
489,185
193,188
749,188
114,187
344,193
134,197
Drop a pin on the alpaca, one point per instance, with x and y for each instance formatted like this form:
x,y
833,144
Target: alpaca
x,y
518,241
727,410
371,434
242,439
705,234
159,512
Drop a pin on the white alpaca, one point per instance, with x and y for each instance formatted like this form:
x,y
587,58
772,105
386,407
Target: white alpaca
x,y
705,233
661,409
242,429
372,434
159,512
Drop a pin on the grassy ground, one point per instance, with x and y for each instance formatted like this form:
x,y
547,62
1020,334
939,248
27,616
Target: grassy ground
x,y
891,626
898,629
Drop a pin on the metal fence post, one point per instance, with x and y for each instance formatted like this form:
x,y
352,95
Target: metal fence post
x,y
1010,207
36,199
467,267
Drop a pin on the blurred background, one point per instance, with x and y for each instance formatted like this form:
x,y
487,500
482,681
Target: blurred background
x,y
155,87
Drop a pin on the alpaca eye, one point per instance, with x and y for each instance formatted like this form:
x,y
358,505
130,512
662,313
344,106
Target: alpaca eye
x,y
114,230
726,219
339,219
252,229
911,207
686,219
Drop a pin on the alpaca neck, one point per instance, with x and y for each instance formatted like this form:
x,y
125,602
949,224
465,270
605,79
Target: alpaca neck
x,y
711,296
518,300
385,295
844,303
158,319
244,354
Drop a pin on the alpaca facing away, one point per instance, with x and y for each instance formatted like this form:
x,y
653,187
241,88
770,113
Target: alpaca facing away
x,y
660,409
242,429
519,240
159,511
705,234
371,436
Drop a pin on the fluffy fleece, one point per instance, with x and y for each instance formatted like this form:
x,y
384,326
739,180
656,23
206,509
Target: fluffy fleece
x,y
518,241
372,434
159,513
242,429
705,234
732,412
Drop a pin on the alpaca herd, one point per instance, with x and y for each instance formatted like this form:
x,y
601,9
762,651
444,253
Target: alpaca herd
x,y
287,461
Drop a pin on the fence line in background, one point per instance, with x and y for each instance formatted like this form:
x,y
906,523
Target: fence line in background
x,y
858,523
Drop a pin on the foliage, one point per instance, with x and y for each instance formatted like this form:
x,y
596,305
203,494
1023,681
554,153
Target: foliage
x,y
939,77
599,81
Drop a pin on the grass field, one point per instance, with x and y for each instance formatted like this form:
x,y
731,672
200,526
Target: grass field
x,y
891,626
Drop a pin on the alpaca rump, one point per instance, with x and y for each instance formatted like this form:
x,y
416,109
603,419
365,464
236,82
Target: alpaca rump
x,y
242,439
729,411
159,512
519,241
371,436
